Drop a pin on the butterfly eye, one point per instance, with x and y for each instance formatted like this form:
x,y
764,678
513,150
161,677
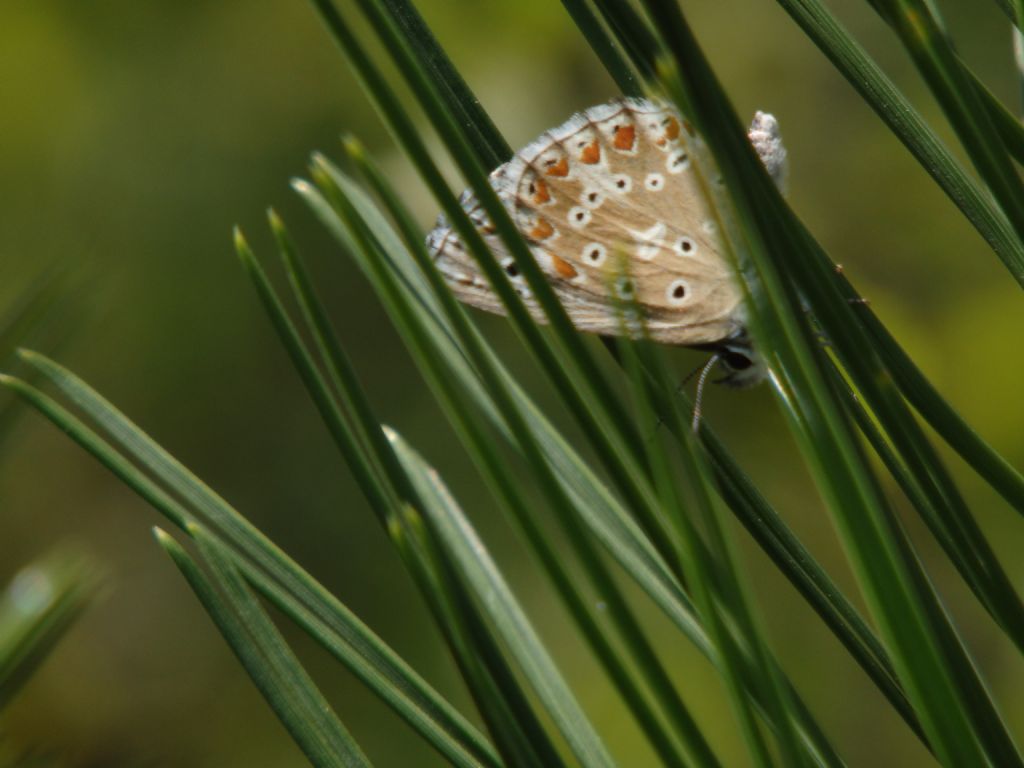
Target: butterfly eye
x,y
736,361
511,268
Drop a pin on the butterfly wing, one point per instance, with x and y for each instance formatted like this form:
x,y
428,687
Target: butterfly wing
x,y
615,180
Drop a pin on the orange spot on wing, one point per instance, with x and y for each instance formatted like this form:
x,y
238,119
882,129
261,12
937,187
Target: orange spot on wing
x,y
542,230
591,153
625,135
561,168
541,195
672,129
563,267
661,142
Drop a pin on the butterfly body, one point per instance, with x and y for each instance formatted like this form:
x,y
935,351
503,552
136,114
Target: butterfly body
x,y
615,181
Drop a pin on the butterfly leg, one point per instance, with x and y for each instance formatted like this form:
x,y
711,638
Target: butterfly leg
x,y
764,135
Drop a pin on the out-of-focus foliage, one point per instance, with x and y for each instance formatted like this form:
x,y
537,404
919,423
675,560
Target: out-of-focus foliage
x,y
135,134
37,608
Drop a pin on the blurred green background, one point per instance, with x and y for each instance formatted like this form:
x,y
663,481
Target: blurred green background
x,y
134,135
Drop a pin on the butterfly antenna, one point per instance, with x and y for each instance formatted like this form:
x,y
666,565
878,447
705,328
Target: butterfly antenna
x,y
689,377
700,389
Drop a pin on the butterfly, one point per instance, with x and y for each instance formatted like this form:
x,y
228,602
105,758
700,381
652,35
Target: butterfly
x,y
618,179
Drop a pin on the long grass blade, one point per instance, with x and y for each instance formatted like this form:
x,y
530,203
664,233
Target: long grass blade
x,y
353,441
602,513
482,576
431,361
1009,127
519,738
377,269
598,510
925,38
605,46
510,716
490,146
897,591
268,660
939,414
706,577
568,363
853,62
273,572
341,371
754,512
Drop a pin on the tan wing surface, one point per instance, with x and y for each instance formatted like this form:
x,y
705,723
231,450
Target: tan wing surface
x,y
615,180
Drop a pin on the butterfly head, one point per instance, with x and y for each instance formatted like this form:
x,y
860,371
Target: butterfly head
x,y
743,365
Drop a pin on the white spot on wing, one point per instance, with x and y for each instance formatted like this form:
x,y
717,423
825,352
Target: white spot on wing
x,y
594,254
648,240
511,269
677,293
678,161
578,217
686,246
592,198
620,183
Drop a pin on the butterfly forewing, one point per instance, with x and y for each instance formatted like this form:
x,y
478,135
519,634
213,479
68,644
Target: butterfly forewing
x,y
615,181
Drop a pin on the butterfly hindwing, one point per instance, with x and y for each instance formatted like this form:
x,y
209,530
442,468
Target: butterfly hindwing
x,y
614,181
